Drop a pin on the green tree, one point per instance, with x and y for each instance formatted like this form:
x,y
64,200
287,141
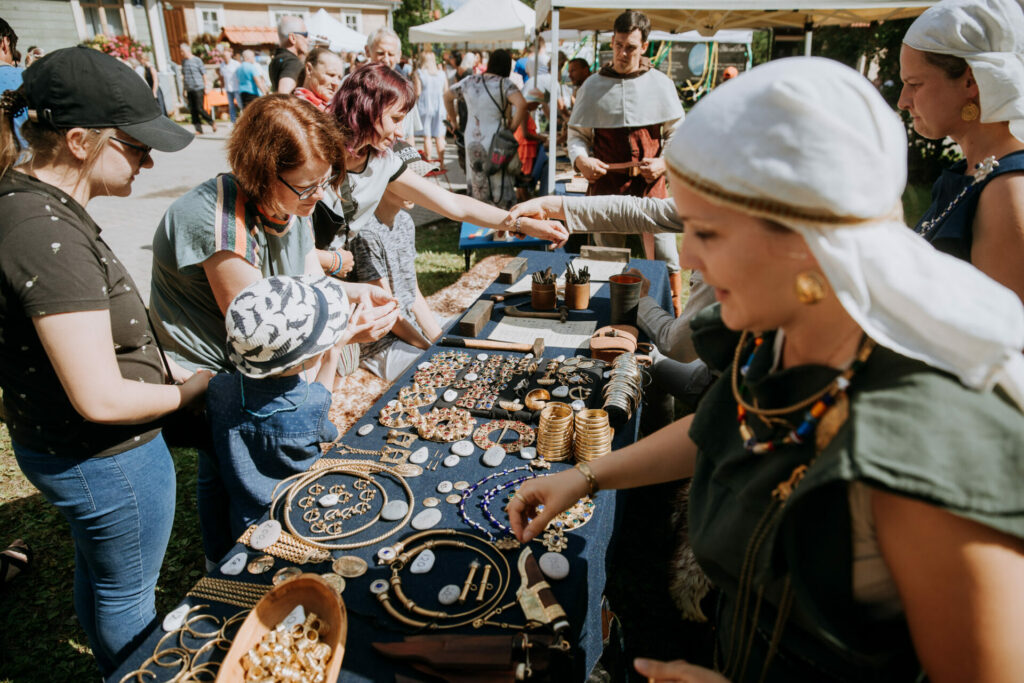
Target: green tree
x,y
411,13
880,43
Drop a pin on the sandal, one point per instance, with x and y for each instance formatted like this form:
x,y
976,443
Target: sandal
x,y
14,560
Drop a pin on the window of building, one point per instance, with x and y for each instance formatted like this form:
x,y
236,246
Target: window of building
x,y
353,21
103,17
277,12
209,18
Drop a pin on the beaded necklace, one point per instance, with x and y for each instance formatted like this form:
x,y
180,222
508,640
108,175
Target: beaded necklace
x,y
819,402
981,171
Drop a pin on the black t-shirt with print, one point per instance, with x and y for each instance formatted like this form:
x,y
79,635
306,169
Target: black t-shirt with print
x,y
284,65
52,260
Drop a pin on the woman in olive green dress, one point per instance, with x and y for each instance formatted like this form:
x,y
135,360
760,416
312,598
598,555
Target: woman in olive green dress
x,y
856,494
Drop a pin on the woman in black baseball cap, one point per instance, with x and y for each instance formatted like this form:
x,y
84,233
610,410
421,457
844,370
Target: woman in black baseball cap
x,y
83,380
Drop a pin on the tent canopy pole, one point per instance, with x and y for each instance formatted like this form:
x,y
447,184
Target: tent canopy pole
x,y
554,74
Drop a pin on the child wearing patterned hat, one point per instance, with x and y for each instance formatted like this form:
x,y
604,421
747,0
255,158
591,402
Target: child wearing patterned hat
x,y
269,417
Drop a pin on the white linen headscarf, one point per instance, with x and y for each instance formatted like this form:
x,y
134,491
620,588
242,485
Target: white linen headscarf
x,y
809,143
989,34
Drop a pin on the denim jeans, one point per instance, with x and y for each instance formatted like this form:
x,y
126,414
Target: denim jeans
x,y
253,452
120,509
234,103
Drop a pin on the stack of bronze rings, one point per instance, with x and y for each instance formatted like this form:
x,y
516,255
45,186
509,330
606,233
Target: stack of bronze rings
x,y
554,434
624,389
593,435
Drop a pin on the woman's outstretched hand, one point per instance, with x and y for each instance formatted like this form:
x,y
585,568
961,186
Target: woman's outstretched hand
x,y
676,672
552,231
548,206
556,493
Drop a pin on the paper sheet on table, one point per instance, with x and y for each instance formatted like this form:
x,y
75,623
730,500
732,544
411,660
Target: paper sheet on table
x,y
600,271
569,335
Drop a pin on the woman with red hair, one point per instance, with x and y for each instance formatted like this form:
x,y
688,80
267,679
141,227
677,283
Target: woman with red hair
x,y
370,107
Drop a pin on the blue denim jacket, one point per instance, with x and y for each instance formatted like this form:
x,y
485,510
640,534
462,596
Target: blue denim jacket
x,y
255,453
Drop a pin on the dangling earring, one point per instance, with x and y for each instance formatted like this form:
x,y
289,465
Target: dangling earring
x,y
970,112
811,287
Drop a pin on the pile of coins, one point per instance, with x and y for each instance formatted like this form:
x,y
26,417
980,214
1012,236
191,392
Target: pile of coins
x,y
554,435
624,389
294,655
593,438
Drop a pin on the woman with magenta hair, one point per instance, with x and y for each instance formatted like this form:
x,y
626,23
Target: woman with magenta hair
x,y
370,107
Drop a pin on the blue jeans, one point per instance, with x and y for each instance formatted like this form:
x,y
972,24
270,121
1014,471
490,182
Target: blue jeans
x,y
120,509
234,103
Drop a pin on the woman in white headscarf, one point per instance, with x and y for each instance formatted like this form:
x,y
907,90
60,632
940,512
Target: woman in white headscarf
x,y
962,66
856,495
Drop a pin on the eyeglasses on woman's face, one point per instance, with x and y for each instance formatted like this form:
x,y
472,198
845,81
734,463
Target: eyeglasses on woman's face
x,y
307,192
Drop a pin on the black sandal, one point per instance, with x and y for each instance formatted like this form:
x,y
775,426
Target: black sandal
x,y
11,558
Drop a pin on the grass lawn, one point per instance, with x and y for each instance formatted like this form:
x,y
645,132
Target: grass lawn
x,y
40,639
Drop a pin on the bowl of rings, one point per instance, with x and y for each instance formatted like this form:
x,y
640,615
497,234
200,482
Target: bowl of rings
x,y
297,631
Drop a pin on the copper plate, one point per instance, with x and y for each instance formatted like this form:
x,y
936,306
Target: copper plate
x,y
454,498
432,502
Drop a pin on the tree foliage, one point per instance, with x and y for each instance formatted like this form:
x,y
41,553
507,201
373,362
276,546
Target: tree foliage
x,y
411,13
880,43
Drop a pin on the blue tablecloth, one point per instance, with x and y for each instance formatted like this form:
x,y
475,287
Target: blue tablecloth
x,y
580,594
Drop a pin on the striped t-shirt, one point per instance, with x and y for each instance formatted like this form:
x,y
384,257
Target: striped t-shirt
x,y
214,217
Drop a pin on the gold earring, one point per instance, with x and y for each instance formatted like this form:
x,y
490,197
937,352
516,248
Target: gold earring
x,y
970,112
811,287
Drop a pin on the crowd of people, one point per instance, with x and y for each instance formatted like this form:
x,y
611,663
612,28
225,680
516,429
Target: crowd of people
x,y
853,506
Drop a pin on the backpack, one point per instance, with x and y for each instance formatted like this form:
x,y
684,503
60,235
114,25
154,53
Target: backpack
x,y
504,146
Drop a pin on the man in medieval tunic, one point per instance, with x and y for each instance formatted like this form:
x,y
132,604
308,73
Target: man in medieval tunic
x,y
623,117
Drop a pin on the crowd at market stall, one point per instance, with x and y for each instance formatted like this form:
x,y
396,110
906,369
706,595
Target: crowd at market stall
x,y
849,387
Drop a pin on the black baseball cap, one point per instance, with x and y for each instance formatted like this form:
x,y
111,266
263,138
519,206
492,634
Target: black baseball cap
x,y
79,87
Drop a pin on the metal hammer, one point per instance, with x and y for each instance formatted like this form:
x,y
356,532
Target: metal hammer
x,y
560,316
537,348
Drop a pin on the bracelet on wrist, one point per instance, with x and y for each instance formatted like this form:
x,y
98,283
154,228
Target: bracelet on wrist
x,y
336,266
592,485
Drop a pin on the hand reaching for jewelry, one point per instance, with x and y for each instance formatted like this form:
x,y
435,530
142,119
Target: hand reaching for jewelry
x,y
676,672
548,206
553,231
556,493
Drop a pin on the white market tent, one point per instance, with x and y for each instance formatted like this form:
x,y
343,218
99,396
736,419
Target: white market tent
x,y
710,16
479,21
325,29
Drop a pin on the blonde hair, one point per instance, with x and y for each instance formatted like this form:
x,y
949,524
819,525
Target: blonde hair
x,y
45,143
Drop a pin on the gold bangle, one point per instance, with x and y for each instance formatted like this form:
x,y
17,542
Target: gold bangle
x,y
592,484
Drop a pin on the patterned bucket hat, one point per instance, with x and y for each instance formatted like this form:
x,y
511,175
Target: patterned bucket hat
x,y
276,323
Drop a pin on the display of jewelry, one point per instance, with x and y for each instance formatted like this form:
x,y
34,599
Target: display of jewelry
x,y
482,435
477,601
446,424
592,437
399,416
329,531
624,389
289,654
555,432
415,396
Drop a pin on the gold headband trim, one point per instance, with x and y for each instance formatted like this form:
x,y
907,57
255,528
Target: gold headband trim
x,y
762,208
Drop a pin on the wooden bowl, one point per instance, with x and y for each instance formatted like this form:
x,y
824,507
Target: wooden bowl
x,y
308,590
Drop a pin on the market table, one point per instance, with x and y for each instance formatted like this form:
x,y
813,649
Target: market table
x,y
579,594
473,237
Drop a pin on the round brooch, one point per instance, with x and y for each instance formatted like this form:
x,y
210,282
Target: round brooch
x,y
446,424
482,436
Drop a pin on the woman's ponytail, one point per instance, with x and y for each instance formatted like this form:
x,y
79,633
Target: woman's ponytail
x,y
12,104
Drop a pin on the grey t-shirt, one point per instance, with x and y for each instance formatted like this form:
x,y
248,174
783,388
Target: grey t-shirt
x,y
388,252
215,216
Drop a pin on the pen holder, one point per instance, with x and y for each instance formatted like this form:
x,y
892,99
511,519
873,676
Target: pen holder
x,y
577,296
543,297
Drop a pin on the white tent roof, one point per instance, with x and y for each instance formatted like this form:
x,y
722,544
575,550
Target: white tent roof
x,y
479,21
325,29
708,16
726,36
